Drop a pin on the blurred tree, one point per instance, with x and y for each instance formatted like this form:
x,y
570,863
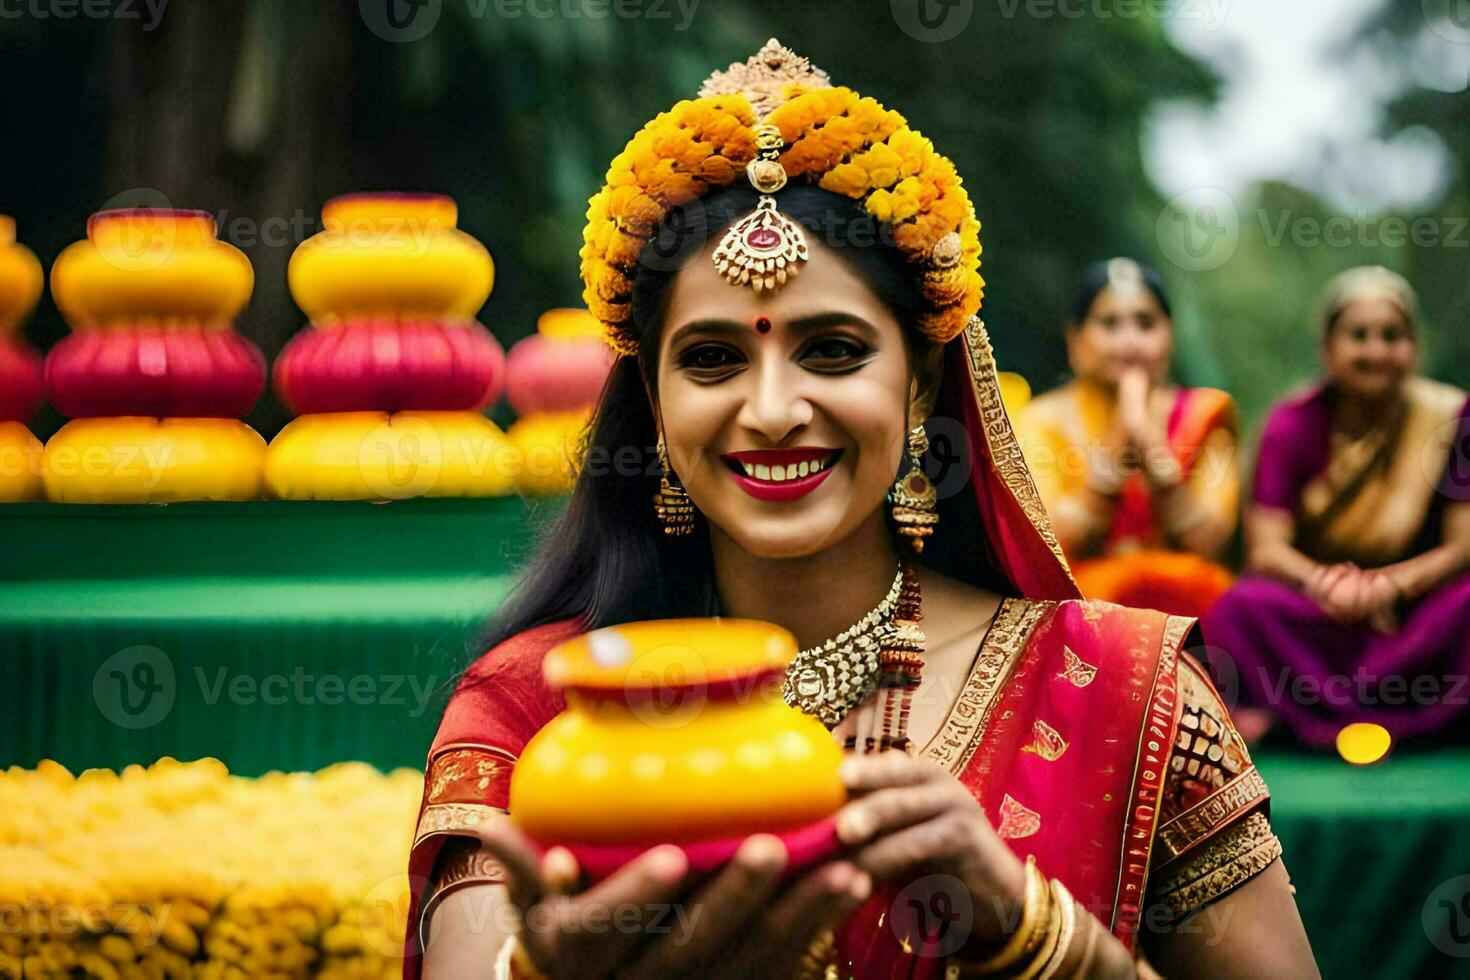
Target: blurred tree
x,y
1408,31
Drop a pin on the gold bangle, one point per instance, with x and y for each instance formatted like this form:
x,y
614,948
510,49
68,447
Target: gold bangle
x,y
1047,949
1030,932
1086,920
1062,900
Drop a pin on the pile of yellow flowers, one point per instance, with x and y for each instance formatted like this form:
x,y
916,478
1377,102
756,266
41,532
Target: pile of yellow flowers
x,y
180,869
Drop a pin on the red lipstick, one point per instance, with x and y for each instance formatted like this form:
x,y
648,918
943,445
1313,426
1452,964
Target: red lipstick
x,y
776,474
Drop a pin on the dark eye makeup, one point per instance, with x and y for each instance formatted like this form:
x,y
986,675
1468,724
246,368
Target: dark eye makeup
x,y
829,354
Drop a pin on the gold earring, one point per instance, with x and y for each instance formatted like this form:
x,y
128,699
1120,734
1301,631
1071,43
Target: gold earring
x,y
913,497
671,503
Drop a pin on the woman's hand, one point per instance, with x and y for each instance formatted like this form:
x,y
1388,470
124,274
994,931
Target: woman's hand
x,y
1350,594
1336,588
1144,435
1378,596
909,814
643,922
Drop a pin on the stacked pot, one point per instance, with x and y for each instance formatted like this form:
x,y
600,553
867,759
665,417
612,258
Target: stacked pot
x,y
20,370
555,378
153,374
391,375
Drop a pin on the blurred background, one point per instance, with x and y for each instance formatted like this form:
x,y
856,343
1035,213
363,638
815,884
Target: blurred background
x,y
1248,149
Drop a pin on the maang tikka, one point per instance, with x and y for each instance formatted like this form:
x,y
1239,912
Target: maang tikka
x,y
671,503
913,497
765,248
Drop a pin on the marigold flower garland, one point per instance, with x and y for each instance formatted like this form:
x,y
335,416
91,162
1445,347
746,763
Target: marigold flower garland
x,y
836,139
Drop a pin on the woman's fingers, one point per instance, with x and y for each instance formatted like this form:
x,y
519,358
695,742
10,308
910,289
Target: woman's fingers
x,y
949,836
618,913
741,891
518,856
817,900
864,773
890,809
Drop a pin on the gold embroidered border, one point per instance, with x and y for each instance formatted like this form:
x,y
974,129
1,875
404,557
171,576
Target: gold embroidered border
x,y
1236,856
1150,765
1227,803
467,864
955,742
1000,437
452,818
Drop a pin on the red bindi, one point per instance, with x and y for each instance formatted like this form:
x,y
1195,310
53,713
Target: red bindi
x,y
763,325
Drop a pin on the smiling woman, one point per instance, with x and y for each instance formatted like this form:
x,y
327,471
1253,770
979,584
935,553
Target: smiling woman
x,y
1060,773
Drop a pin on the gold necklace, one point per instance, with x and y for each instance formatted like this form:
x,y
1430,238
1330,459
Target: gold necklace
x,y
829,679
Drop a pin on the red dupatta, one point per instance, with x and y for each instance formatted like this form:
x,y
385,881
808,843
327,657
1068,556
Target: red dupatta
x,y
1061,732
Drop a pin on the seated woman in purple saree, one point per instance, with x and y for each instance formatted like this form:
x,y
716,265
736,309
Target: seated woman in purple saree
x,y
1357,608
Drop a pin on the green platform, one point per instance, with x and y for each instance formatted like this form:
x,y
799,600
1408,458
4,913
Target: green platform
x,y
1368,850
285,635
274,634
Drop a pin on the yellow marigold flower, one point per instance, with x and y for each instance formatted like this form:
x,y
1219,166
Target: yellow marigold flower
x,y
848,178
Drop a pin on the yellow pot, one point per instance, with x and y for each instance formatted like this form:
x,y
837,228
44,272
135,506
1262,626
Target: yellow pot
x,y
387,255
150,264
547,444
20,464
382,456
20,278
674,731
134,460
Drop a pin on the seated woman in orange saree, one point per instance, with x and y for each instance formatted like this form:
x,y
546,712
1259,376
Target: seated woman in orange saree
x,y
1139,475
1056,747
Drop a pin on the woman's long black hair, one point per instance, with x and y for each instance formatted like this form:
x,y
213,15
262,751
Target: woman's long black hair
x,y
605,560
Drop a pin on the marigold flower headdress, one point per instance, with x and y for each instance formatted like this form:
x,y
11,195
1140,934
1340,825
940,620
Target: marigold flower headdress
x,y
772,119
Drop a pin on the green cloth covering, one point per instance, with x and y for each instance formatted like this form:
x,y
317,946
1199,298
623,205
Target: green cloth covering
x,y
1368,849
296,633
299,634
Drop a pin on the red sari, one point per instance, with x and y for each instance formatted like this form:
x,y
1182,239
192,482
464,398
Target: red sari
x,y
1063,731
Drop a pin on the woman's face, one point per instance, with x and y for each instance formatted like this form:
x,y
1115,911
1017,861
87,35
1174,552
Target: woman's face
x,y
1125,328
1370,350
784,412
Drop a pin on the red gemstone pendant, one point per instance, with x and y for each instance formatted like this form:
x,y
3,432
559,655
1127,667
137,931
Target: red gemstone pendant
x,y
764,239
